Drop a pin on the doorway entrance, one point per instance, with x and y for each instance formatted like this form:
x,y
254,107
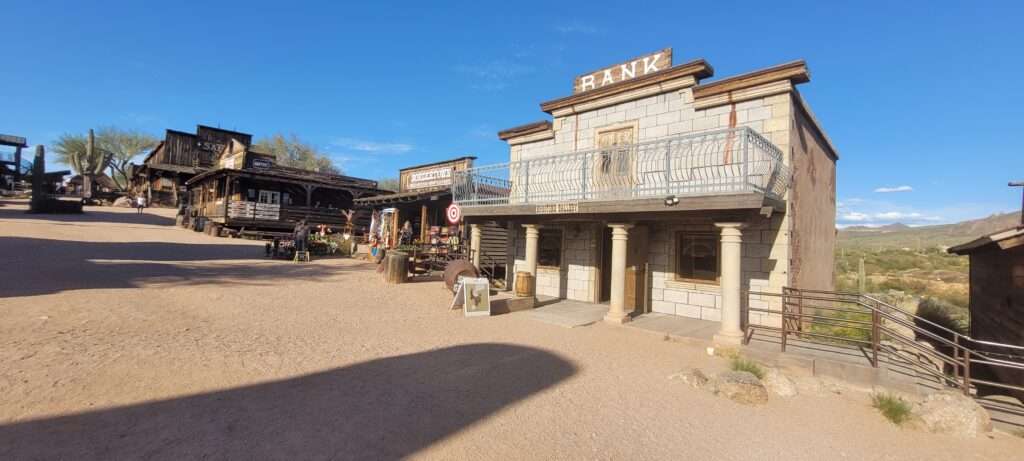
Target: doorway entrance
x,y
636,288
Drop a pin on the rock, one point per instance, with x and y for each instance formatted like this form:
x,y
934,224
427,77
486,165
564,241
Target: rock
x,y
694,377
779,384
952,413
740,387
123,202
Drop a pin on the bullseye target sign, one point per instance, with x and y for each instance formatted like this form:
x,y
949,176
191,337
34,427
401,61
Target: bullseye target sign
x,y
453,213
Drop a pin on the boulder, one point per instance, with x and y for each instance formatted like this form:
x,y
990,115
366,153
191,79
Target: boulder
x,y
779,384
952,413
740,387
123,202
693,377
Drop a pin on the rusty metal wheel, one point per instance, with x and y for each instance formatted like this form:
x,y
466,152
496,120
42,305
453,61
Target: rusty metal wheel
x,y
458,268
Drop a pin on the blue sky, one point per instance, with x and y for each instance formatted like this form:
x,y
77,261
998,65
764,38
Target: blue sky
x,y
921,98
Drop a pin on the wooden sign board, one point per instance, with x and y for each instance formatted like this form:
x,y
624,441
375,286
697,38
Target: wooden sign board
x,y
558,208
643,65
16,141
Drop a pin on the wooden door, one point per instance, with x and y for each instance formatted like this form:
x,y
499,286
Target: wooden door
x,y
636,276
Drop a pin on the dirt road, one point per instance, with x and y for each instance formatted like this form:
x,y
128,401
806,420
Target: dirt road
x,y
123,337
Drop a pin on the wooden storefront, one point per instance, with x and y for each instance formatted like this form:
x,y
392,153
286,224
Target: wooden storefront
x,y
250,192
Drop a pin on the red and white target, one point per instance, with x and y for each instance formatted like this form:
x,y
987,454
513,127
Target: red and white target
x,y
453,213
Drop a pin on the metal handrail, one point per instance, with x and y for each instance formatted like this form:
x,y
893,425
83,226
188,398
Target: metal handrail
x,y
725,161
960,360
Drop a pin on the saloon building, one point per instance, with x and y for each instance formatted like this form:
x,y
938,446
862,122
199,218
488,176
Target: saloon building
x,y
248,192
180,156
654,189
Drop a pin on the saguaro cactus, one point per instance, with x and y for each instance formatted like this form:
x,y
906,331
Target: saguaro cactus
x,y
38,180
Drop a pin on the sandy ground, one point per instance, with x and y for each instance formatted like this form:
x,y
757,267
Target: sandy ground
x,y
123,337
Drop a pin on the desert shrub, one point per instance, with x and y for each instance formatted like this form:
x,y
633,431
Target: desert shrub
x,y
750,366
892,407
943,314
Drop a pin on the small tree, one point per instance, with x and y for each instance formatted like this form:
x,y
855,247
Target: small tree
x,y
73,150
390,184
295,153
121,147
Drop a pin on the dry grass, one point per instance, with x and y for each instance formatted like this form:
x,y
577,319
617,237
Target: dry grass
x,y
894,408
742,364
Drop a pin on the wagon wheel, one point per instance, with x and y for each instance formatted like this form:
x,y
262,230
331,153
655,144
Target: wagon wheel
x,y
456,269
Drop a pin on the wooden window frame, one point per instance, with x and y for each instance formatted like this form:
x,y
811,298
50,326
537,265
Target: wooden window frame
x,y
677,253
561,248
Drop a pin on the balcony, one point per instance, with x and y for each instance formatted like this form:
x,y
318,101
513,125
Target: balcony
x,y
735,162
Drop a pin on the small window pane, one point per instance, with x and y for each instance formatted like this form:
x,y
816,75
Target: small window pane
x,y
550,248
697,256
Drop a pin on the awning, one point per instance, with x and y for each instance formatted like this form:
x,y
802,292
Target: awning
x,y
405,197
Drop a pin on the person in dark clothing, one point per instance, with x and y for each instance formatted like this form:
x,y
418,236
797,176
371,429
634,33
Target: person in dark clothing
x,y
301,235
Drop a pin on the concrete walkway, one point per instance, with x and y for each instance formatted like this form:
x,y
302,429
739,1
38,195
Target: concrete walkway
x,y
569,314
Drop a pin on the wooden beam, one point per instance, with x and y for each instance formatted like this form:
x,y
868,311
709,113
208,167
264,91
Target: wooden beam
x,y
424,224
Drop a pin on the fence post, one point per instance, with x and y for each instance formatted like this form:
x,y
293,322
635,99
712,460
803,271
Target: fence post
x,y
967,372
583,187
746,157
875,330
784,329
526,181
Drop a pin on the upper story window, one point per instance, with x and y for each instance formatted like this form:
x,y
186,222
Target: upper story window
x,y
697,257
614,159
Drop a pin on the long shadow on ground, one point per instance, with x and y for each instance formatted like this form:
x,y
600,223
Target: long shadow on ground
x,y
91,214
381,409
33,266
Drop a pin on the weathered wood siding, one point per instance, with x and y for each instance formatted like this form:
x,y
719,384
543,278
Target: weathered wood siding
x,y
493,239
997,303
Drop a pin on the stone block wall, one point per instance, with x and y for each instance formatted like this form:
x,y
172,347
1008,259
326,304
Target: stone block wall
x,y
764,243
575,278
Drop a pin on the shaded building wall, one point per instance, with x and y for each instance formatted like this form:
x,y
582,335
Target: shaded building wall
x,y
812,205
997,309
997,295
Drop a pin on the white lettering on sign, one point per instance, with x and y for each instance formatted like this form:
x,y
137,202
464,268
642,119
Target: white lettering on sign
x,y
649,64
558,208
437,176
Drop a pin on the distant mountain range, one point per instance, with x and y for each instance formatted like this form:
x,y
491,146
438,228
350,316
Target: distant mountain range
x,y
903,236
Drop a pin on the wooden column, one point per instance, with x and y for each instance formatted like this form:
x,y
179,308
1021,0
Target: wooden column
x,y
424,224
227,196
394,228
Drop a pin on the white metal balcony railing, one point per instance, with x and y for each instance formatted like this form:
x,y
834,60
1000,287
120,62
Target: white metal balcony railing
x,y
728,161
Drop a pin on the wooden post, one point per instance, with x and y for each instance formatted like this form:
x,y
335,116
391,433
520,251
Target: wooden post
x,y
227,196
424,224
17,164
394,228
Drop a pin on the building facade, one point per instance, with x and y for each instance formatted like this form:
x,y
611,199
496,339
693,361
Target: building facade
x,y
248,190
176,159
656,192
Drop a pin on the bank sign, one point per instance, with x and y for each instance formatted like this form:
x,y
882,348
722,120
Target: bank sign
x,y
638,67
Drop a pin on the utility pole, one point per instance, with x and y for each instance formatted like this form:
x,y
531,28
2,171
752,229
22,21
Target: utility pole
x,y
1021,185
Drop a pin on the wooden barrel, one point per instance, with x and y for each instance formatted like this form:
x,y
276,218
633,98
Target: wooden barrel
x,y
397,269
524,284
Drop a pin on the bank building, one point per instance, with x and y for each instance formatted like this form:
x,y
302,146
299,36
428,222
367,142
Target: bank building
x,y
654,187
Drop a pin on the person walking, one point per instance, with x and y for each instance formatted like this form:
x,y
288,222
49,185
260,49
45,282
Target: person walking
x,y
140,203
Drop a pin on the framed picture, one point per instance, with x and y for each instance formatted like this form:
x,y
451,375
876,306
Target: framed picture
x,y
477,301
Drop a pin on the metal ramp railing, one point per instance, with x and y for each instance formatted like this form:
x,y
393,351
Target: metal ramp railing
x,y
953,359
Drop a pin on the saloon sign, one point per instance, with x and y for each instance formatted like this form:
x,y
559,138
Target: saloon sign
x,y
638,67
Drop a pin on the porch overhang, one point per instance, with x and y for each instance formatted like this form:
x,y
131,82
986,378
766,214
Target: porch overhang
x,y
644,206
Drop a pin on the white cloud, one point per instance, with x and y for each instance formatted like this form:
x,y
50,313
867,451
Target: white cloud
x,y
854,216
494,75
903,188
372,147
577,27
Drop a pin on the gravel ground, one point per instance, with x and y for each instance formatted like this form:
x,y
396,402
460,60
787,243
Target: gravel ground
x,y
123,337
